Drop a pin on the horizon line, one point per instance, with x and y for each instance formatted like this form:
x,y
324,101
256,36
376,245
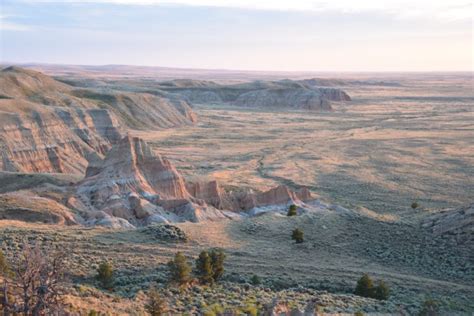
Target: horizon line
x,y
7,63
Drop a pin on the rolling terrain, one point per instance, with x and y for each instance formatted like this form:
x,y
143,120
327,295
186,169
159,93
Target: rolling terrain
x,y
192,160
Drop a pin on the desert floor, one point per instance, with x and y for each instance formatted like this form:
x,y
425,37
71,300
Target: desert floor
x,y
410,140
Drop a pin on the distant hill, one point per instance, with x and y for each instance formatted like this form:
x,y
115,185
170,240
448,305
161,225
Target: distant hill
x,y
50,126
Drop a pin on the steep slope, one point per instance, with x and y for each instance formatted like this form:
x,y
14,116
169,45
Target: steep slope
x,y
27,207
142,110
266,94
48,126
136,186
35,138
456,224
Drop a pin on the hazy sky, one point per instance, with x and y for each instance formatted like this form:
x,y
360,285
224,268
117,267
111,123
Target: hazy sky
x,y
320,35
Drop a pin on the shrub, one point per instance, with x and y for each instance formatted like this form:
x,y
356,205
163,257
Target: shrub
x,y
204,269
214,310
180,270
92,312
217,261
365,286
4,267
255,280
429,308
297,236
358,313
35,284
292,210
414,205
381,291
156,305
105,275
249,309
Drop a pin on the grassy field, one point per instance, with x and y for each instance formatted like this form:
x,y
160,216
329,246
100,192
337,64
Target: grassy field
x,y
388,147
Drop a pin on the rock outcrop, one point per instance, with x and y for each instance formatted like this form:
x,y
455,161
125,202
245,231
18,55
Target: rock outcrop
x,y
137,185
28,207
457,224
272,94
38,139
49,126
142,110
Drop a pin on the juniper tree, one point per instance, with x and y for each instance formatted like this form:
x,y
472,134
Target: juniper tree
x,y
381,291
204,268
365,286
180,270
217,261
292,210
105,275
297,236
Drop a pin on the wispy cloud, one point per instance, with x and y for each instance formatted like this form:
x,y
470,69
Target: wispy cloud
x,y
438,9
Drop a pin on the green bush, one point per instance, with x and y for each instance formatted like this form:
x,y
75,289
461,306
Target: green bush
x,y
414,205
381,291
297,235
105,275
217,261
365,287
429,308
292,210
4,267
255,280
156,305
204,269
359,313
180,270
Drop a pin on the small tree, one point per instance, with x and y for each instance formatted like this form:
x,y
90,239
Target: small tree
x,y
292,210
217,261
297,236
429,308
381,291
365,286
180,270
156,305
105,275
35,284
255,280
414,205
204,268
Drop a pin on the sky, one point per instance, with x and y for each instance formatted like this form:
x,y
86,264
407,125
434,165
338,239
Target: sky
x,y
290,35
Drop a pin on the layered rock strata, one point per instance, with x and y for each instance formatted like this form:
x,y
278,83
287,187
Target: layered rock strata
x,y
137,185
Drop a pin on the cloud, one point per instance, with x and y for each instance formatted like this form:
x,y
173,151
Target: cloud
x,y
438,9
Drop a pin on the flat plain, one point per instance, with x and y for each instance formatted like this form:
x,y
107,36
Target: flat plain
x,y
402,138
